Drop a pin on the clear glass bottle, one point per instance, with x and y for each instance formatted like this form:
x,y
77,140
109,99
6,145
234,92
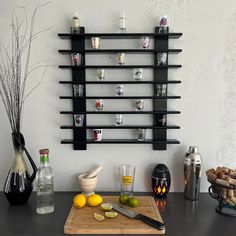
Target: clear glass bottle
x,y
45,191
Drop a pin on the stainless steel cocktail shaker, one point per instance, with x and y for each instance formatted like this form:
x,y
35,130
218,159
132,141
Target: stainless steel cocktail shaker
x,y
192,174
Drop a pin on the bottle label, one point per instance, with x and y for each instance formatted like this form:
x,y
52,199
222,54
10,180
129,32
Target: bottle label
x,y
127,180
44,159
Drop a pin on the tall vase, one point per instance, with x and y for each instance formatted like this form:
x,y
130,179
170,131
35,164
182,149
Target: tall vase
x,y
18,185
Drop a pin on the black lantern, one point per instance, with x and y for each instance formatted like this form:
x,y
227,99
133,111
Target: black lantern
x,y
161,181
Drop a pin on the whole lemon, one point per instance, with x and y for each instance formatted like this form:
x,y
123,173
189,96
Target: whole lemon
x,y
79,201
94,200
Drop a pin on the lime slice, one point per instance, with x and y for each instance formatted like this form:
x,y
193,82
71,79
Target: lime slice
x,y
98,217
111,214
106,207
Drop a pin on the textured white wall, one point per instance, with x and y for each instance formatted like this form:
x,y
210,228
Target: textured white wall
x,y
207,89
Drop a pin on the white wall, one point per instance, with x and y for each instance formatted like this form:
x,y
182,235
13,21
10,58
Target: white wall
x,y
207,89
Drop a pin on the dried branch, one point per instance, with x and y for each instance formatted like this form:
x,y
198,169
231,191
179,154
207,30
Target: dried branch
x,y
13,78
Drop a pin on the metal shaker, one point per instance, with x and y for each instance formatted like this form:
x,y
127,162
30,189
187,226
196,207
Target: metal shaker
x,y
192,174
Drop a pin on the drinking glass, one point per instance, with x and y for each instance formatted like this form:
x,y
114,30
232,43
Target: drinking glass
x,y
162,59
127,176
118,119
79,120
78,90
100,74
76,59
141,133
138,73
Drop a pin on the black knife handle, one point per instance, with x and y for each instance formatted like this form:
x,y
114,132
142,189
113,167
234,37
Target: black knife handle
x,y
154,223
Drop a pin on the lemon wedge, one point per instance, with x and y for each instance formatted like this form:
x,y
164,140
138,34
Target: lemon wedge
x,y
98,217
106,206
111,214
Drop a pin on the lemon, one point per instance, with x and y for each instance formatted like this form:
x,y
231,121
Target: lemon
x,y
106,207
94,200
79,201
111,214
133,202
98,217
124,199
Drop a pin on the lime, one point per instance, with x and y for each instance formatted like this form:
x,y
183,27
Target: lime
x,y
106,206
133,202
98,217
111,214
124,199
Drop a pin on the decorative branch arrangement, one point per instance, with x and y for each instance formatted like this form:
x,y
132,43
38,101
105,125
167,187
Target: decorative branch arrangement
x,y
15,67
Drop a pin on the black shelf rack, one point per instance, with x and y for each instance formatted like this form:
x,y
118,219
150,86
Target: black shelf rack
x,y
159,139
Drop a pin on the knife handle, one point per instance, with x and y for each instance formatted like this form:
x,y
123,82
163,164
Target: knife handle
x,y
154,223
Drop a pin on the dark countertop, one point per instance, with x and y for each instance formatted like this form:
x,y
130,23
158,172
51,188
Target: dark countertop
x,y
182,217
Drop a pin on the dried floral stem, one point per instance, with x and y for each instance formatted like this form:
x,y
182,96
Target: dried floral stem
x,y
13,77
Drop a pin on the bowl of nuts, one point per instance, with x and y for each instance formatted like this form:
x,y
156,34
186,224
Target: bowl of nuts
x,y
223,189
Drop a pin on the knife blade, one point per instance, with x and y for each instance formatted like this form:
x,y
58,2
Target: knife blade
x,y
133,215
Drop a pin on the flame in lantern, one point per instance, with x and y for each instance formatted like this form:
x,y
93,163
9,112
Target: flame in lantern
x,y
164,189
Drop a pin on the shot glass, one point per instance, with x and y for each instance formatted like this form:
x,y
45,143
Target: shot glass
x,y
127,176
95,41
145,40
121,58
97,135
139,105
158,90
99,105
120,90
138,73
164,90
76,59
100,74
141,134
78,90
162,59
161,120
79,120
118,119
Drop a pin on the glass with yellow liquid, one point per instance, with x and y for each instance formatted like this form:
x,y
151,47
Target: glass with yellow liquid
x,y
127,176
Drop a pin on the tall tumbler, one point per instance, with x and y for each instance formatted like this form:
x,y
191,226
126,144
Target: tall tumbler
x,y
192,174
127,175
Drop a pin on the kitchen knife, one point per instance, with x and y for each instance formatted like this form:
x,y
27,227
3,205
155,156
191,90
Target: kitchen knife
x,y
147,220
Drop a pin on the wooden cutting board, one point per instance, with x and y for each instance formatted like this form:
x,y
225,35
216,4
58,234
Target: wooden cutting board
x,y
81,221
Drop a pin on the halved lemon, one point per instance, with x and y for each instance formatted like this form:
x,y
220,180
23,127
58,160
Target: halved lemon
x,y
106,206
111,214
99,217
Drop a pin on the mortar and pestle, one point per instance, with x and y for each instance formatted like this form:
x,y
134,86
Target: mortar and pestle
x,y
88,180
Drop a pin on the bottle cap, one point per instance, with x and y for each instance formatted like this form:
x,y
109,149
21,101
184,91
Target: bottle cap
x,y
44,151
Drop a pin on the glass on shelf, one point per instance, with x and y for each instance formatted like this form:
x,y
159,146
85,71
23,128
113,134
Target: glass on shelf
x,y
139,105
141,134
95,41
100,74
97,135
138,73
99,105
76,59
163,26
161,120
79,120
122,22
78,90
145,40
161,90
120,90
75,24
162,58
121,58
118,119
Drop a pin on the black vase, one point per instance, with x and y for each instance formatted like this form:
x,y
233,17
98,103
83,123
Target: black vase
x,y
18,185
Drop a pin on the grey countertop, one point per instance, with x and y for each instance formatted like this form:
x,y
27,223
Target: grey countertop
x,y
182,217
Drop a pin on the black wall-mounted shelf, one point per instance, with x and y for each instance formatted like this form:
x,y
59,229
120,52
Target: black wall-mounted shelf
x,y
119,35
161,44
125,82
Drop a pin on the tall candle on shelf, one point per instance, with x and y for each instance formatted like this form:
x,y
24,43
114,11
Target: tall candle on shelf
x,y
75,24
123,22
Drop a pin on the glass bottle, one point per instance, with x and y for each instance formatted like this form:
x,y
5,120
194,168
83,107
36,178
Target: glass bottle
x,y
45,192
